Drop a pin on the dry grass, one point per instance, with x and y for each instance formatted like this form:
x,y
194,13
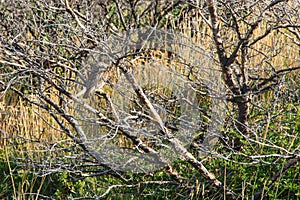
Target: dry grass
x,y
20,120
33,129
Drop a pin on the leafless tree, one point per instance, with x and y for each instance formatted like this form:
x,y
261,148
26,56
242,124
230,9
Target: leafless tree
x,y
84,64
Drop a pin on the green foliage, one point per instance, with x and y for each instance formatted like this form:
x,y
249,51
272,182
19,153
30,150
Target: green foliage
x,y
242,174
54,36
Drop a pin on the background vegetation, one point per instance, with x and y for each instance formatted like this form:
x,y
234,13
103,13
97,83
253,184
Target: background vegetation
x,y
45,54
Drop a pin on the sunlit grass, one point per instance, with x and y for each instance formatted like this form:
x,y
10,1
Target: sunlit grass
x,y
28,132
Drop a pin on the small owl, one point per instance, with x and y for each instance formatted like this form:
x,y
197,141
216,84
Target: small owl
x,y
95,80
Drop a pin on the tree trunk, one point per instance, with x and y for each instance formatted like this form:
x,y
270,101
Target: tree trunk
x,y
243,105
